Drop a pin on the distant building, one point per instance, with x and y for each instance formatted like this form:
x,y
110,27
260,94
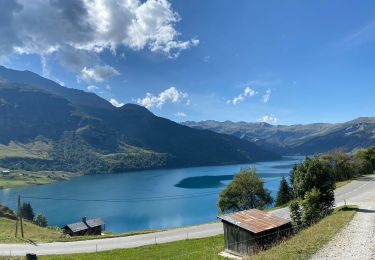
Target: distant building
x,y
85,227
5,172
248,231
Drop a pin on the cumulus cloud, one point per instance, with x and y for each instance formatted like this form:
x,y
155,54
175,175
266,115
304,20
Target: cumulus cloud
x,y
180,114
270,119
248,92
116,103
171,95
98,73
266,97
78,30
47,26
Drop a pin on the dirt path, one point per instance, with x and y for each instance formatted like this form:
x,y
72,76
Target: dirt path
x,y
356,240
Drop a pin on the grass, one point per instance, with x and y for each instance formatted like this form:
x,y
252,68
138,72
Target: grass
x,y
37,149
307,242
34,233
300,246
340,184
203,248
20,178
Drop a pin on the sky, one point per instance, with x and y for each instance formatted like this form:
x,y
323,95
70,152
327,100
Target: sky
x,y
281,62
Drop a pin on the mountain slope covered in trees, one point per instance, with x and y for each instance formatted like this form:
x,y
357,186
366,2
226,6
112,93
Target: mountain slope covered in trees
x,y
45,126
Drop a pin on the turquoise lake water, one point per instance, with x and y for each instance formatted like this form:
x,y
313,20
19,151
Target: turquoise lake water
x,y
149,199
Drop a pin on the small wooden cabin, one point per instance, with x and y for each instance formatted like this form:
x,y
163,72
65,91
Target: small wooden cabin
x,y
5,172
85,227
248,231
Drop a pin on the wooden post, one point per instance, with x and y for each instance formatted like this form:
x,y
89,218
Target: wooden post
x,y
19,217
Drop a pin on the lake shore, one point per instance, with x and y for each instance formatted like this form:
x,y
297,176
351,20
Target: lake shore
x,y
21,178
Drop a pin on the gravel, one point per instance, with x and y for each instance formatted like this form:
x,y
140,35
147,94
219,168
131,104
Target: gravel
x,y
356,240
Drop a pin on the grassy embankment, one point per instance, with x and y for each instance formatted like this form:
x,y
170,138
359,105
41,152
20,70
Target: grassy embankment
x,y
20,178
301,246
34,233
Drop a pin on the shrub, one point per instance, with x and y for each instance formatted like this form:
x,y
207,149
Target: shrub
x,y
41,220
246,191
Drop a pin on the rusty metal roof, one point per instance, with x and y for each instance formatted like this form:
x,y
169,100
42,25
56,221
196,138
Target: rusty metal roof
x,y
254,220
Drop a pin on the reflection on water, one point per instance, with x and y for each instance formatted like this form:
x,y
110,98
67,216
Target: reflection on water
x,y
145,199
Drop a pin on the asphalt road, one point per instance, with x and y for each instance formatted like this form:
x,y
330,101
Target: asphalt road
x,y
354,193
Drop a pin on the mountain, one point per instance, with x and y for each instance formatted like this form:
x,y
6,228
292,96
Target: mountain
x,y
298,139
45,126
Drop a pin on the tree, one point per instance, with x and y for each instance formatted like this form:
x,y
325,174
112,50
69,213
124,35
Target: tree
x,y
27,211
315,173
284,195
246,191
311,207
41,220
296,215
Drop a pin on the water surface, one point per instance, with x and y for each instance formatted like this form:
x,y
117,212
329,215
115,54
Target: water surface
x,y
144,199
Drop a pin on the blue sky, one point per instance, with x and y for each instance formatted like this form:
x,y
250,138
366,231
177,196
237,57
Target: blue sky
x,y
283,62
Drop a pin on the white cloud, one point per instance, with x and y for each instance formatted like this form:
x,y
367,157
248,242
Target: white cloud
x,y
45,69
89,27
98,73
116,103
169,95
92,88
180,114
270,119
266,97
248,92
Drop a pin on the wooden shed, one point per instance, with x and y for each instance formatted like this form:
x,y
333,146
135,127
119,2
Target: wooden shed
x,y
85,227
248,231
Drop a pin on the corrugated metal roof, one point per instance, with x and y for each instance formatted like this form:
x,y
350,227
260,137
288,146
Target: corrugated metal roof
x,y
254,220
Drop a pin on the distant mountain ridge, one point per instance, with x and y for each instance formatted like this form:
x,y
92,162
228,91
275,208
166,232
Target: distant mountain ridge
x,y
45,126
299,139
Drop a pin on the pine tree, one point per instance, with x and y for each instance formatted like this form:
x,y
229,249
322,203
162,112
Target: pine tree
x,y
27,211
284,195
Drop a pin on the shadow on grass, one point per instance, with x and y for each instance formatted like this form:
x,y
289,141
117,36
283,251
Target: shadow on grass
x,y
29,241
351,208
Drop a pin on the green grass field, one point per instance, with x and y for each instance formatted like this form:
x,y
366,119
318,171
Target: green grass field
x,y
20,178
300,246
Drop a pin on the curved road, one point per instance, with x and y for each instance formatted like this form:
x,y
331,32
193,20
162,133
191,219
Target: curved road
x,y
353,193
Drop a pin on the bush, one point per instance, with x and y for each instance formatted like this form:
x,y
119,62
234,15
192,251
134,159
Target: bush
x,y
246,191
41,220
296,215
315,173
311,207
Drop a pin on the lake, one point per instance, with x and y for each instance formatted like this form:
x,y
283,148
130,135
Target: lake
x,y
139,200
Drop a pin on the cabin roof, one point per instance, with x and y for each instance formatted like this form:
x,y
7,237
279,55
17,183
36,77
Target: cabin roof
x,y
79,226
95,222
254,220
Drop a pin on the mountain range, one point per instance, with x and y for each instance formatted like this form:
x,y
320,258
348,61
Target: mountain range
x,y
46,126
298,139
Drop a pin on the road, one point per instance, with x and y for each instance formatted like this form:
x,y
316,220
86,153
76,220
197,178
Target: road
x,y
353,193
